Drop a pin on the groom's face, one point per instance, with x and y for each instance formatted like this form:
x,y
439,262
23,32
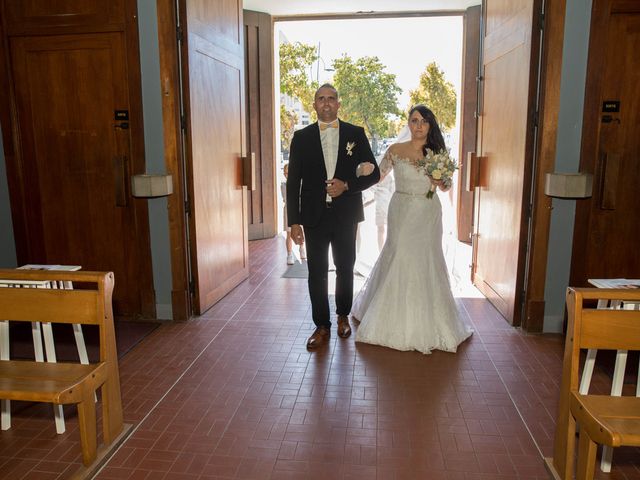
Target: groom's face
x,y
326,104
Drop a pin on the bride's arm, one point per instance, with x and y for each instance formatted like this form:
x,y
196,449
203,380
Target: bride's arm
x,y
386,164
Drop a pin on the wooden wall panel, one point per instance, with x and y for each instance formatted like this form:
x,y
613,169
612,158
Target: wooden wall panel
x,y
607,226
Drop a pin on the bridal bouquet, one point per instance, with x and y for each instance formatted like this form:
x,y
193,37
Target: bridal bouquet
x,y
439,166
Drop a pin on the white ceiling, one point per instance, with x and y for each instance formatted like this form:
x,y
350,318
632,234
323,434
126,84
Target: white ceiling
x,y
311,7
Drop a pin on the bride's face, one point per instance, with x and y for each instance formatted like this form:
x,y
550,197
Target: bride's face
x,y
418,126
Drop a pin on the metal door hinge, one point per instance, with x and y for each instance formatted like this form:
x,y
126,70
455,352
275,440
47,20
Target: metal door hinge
x,y
179,34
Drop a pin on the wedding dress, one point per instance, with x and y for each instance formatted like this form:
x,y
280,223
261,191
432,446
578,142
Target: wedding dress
x,y
406,303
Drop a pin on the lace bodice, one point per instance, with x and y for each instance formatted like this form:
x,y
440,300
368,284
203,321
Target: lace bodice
x,y
409,179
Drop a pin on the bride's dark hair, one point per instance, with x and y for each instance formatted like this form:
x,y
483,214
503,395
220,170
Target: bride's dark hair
x,y
434,138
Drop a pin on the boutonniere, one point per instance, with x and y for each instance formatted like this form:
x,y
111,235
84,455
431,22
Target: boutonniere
x,y
350,146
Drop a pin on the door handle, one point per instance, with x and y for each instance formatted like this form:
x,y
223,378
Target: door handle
x,y
120,175
249,171
122,125
610,168
471,172
474,176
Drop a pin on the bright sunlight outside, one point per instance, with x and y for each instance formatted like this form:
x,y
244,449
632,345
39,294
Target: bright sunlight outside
x,y
394,53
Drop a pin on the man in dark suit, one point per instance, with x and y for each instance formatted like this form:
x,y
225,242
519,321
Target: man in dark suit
x,y
329,165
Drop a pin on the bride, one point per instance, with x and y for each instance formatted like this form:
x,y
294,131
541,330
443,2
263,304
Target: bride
x,y
406,303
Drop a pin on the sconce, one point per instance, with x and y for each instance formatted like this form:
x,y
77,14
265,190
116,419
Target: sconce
x,y
568,185
150,186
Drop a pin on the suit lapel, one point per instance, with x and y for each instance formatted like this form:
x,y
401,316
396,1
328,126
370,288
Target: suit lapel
x,y
318,147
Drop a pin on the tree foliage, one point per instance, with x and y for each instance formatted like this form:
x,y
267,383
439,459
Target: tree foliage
x,y
295,62
368,94
437,94
288,120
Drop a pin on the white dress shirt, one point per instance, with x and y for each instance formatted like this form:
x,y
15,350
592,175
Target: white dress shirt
x,y
329,137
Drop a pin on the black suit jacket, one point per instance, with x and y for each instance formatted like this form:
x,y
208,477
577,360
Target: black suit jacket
x,y
306,187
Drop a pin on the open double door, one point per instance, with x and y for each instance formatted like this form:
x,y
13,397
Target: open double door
x,y
503,163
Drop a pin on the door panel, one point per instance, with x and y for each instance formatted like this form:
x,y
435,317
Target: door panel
x,y
260,122
505,140
468,128
76,161
214,104
27,15
606,224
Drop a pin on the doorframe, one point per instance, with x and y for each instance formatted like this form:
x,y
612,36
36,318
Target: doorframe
x,y
172,121
394,15
8,121
541,204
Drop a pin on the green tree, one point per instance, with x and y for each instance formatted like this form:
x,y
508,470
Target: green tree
x,y
368,95
295,62
438,94
288,120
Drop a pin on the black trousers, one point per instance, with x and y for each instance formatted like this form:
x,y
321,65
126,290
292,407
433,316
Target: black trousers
x,y
342,239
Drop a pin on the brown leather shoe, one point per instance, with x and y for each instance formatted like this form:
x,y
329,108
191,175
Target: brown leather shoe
x,y
344,329
320,337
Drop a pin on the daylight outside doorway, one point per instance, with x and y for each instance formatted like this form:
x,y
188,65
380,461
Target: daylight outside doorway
x,y
381,67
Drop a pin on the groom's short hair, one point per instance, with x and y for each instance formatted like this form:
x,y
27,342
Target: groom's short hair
x,y
326,85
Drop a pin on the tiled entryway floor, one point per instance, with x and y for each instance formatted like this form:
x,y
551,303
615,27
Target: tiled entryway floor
x,y
235,394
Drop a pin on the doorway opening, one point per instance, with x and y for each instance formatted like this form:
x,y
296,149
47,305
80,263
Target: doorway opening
x,y
414,60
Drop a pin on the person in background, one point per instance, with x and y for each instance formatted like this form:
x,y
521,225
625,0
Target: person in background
x,y
291,259
382,193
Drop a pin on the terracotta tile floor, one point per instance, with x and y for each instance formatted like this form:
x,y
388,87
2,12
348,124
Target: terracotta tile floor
x,y
235,394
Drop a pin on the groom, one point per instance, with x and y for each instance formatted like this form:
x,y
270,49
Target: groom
x,y
324,196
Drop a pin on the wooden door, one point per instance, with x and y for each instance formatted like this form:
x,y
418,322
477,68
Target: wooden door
x,y
468,113
213,73
75,161
505,146
258,29
607,226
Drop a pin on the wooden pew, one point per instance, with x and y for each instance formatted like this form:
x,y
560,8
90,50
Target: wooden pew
x,y
602,419
67,383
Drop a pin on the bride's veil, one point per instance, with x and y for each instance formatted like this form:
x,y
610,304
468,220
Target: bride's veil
x,y
404,135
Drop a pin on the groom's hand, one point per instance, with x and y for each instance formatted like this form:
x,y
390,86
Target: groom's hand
x,y
297,234
336,187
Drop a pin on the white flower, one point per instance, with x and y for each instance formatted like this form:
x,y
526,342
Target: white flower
x,y
350,146
439,166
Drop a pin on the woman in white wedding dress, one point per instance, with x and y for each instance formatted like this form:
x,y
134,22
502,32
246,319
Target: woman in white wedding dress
x,y
406,303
